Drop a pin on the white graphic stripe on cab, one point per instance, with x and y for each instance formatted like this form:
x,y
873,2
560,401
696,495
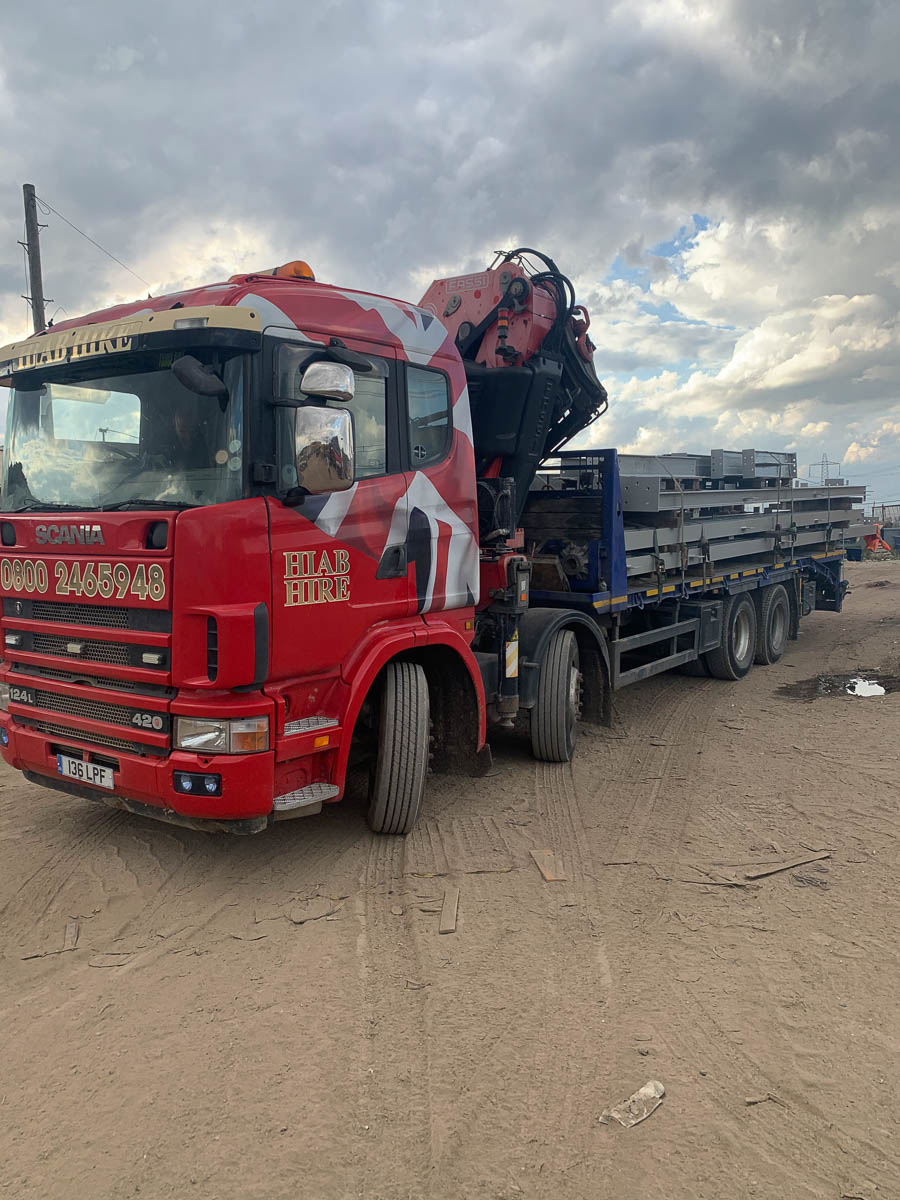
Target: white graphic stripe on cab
x,y
457,584
420,334
331,516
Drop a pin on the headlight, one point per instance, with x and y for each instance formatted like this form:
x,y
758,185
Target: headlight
x,y
207,735
194,733
4,697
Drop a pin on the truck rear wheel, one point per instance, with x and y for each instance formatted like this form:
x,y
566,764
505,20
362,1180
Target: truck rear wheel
x,y
734,658
555,716
774,624
402,759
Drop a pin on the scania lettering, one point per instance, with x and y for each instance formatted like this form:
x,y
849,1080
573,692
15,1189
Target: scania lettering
x,y
84,535
266,536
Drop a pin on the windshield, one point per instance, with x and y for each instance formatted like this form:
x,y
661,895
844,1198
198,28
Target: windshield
x,y
115,439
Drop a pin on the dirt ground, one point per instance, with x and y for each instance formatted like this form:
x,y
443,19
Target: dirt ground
x,y
280,1017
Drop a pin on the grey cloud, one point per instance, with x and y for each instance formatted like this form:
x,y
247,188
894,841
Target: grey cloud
x,y
380,138
309,116
394,135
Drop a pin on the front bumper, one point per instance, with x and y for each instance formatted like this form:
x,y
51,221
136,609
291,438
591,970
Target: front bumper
x,y
146,784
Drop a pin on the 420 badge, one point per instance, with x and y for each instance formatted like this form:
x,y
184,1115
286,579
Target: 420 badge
x,y
107,580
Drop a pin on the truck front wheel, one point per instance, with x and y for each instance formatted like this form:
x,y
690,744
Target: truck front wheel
x,y
555,716
734,658
402,758
774,624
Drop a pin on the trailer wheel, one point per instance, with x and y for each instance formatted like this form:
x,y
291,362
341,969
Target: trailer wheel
x,y
402,758
555,716
774,624
734,658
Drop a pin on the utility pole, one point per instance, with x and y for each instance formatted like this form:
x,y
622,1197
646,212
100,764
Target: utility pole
x,y
33,249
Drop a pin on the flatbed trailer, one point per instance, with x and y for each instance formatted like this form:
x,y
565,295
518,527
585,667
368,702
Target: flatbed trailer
x,y
654,548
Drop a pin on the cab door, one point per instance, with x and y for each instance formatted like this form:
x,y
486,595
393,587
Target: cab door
x,y
336,572
441,514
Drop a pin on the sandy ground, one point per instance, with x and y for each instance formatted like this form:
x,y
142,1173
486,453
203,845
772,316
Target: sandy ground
x,y
206,1039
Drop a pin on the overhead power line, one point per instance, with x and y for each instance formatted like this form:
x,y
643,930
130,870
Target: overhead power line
x,y
48,208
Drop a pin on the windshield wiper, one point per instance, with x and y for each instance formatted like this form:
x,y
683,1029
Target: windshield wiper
x,y
120,504
49,506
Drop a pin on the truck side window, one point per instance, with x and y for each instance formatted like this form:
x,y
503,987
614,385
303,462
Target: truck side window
x,y
369,419
368,406
428,394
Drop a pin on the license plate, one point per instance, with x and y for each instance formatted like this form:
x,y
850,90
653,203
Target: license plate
x,y
84,772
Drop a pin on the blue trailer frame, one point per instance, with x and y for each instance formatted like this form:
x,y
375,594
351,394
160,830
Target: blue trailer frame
x,y
606,594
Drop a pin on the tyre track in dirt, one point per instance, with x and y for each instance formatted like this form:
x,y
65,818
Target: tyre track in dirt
x,y
782,1144
440,1074
278,864
535,1071
805,1081
484,1077
579,976
635,830
654,834
526,1060
661,779
23,911
149,891
394,1083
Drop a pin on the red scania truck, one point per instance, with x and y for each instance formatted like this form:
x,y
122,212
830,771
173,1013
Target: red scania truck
x,y
261,533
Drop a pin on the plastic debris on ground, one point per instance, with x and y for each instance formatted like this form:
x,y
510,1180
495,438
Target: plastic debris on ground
x,y
636,1108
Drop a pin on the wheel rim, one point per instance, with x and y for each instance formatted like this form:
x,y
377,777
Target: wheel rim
x,y
779,626
741,638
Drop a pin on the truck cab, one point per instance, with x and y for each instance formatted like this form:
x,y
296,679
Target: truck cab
x,y
226,513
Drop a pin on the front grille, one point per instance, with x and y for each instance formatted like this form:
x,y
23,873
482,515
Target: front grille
x,y
76,706
103,652
79,614
100,739
87,680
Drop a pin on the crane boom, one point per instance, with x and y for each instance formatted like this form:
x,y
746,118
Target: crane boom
x,y
529,365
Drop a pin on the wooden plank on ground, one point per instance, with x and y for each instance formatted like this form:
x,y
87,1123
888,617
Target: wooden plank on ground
x,y
545,861
786,866
449,910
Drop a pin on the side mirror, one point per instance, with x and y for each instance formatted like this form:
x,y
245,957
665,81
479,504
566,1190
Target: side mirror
x,y
323,448
192,374
331,381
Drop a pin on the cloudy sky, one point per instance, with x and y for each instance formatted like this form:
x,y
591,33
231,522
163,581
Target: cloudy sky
x,y
721,180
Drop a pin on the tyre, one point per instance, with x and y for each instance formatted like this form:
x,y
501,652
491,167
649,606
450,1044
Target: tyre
x,y
402,755
774,624
734,658
554,718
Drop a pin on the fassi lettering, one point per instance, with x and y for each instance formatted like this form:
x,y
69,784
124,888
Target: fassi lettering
x,y
82,535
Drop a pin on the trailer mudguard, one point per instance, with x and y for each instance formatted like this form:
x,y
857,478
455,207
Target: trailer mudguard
x,y
536,628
